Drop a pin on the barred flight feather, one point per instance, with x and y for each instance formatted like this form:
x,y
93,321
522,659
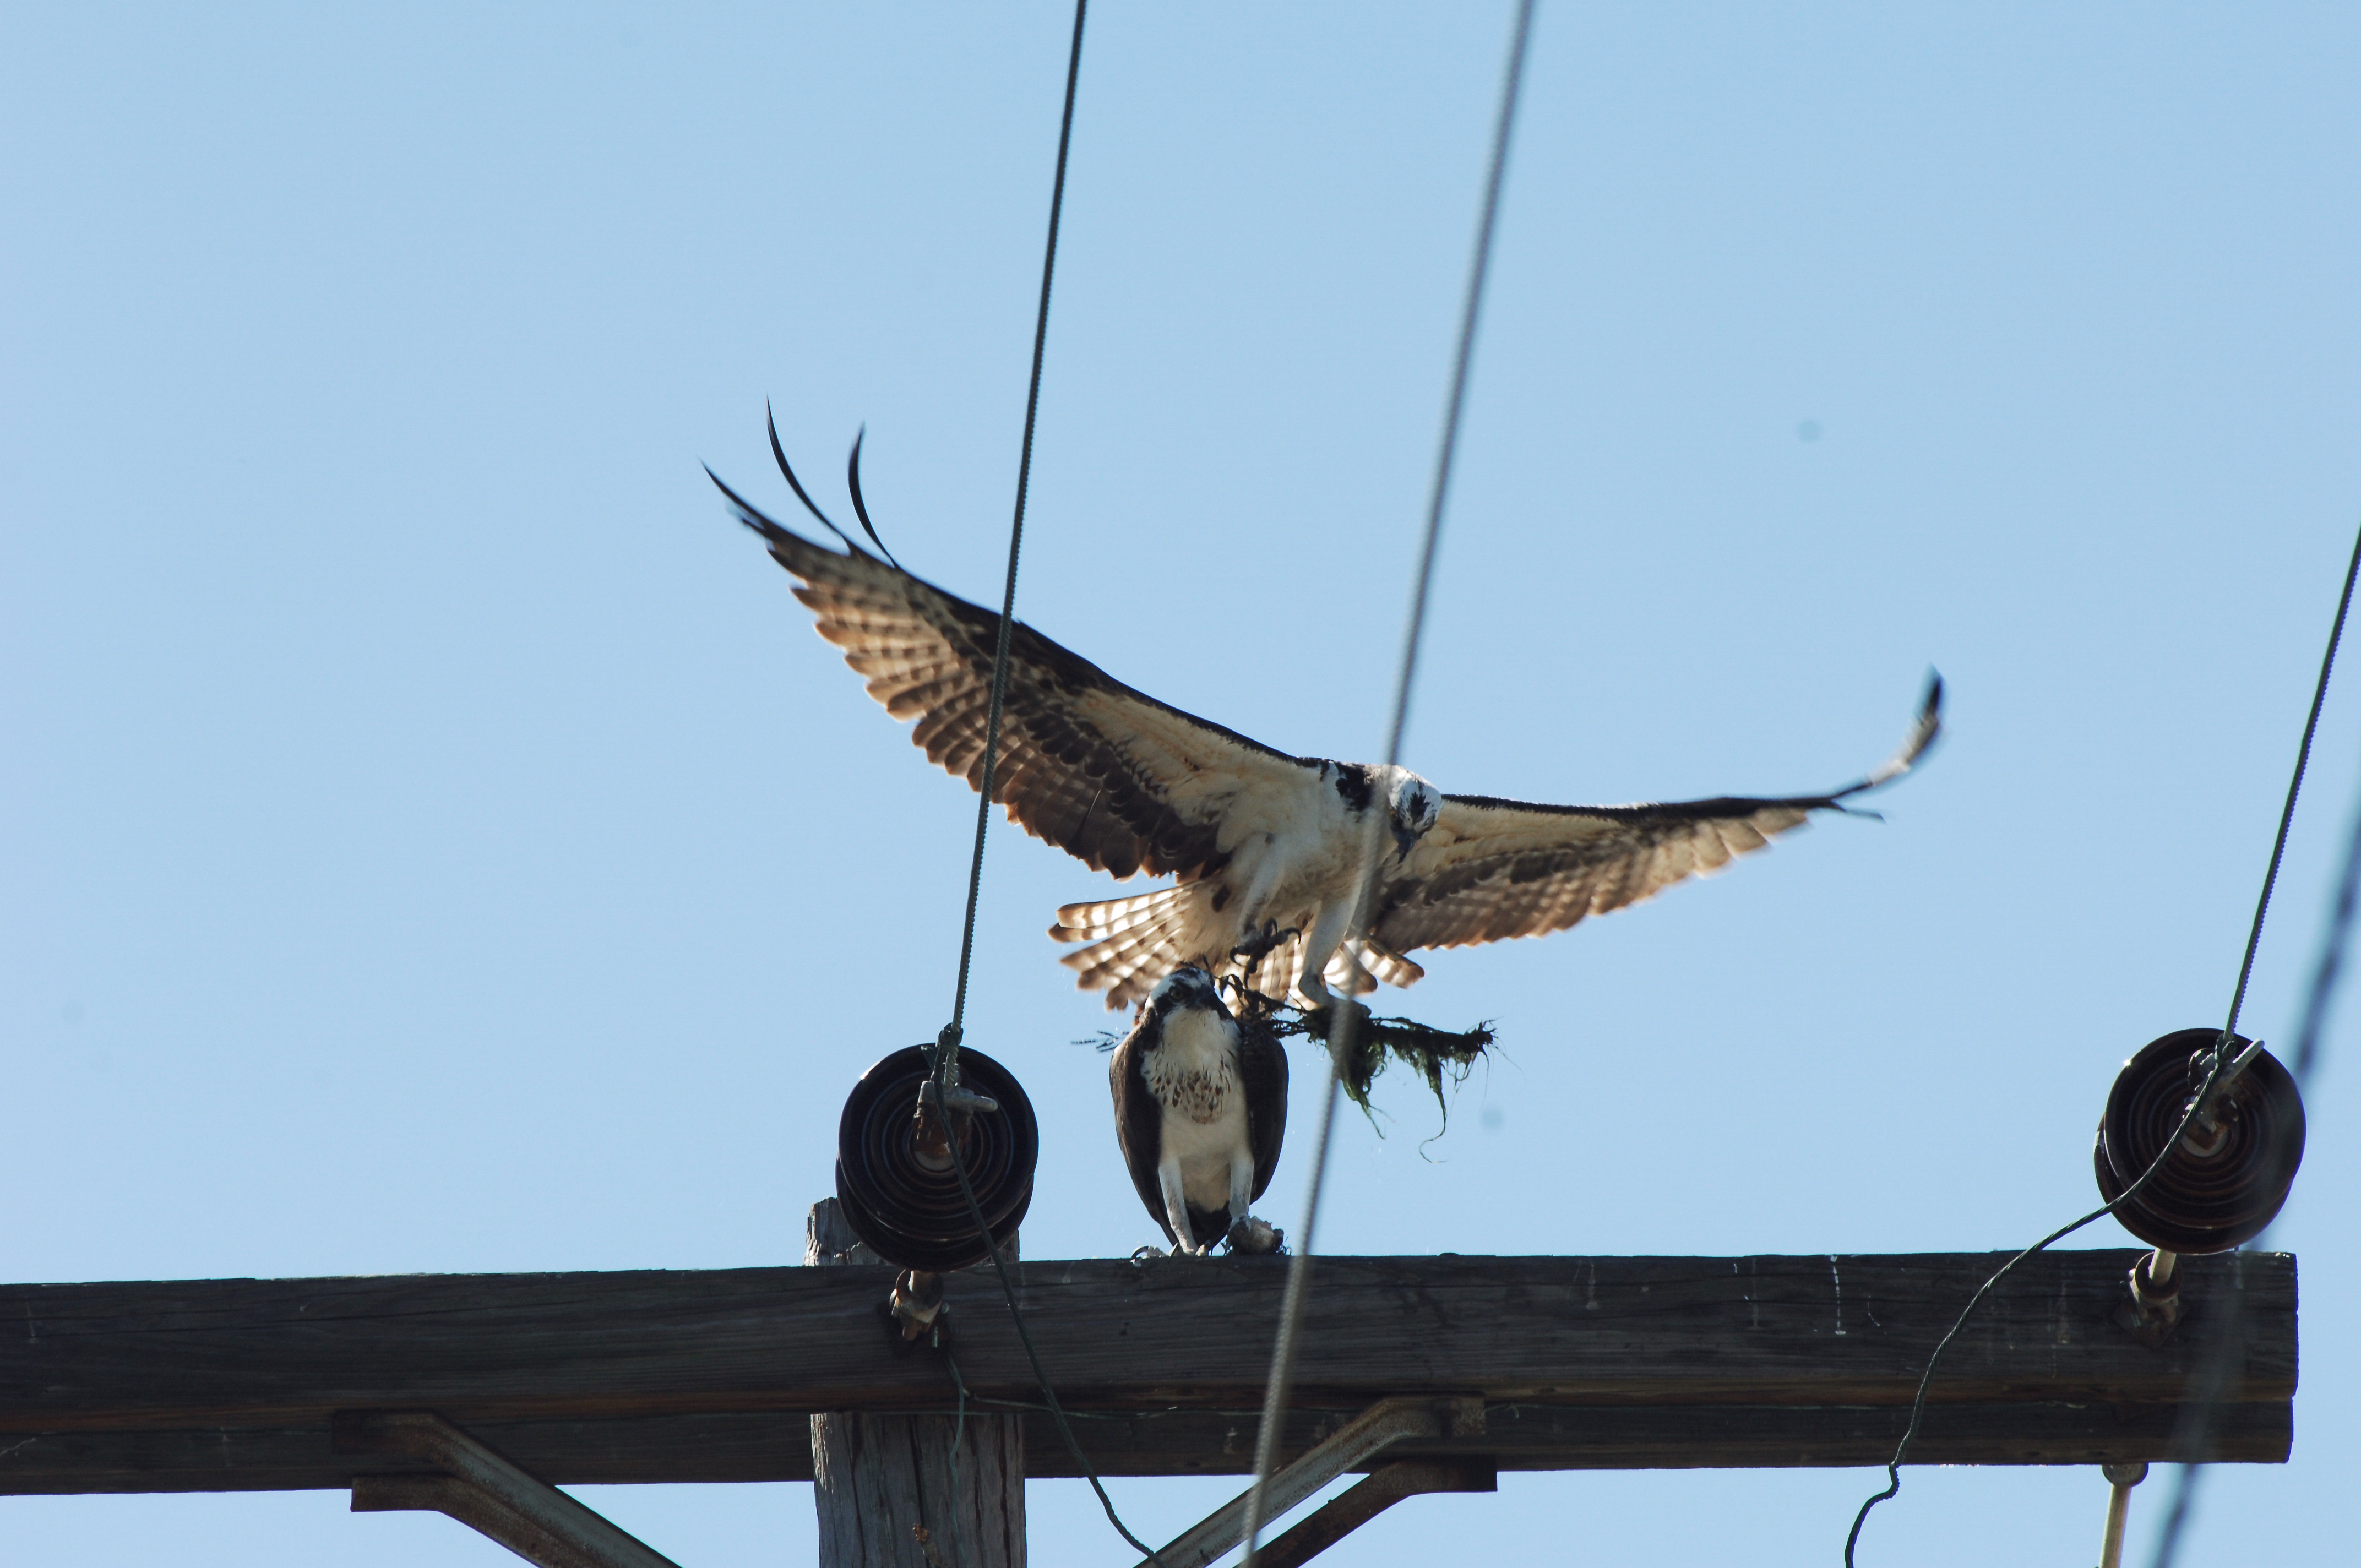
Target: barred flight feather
x,y
1128,784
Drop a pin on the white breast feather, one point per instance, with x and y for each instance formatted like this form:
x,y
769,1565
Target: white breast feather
x,y
1194,1076
1305,852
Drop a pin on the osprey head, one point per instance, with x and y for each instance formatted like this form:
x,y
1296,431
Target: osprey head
x,y
1184,990
1412,806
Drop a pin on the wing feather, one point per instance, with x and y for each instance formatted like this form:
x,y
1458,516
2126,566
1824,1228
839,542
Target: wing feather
x,y
1106,773
1490,870
1138,1125
1262,1072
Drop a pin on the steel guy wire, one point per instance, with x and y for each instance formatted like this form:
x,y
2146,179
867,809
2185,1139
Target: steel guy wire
x,y
950,1034
2214,1077
2286,812
2213,1376
1345,1020
947,1044
1025,1337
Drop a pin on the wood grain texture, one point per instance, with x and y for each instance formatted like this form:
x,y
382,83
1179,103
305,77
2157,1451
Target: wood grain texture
x,y
227,1385
911,1491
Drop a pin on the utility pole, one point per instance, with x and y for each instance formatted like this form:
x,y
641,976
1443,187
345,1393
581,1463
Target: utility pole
x,y
884,1484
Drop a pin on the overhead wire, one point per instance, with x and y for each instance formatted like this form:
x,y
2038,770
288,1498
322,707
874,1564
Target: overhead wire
x,y
2214,1077
1049,1394
2227,1343
951,1036
945,1074
2212,1378
1345,1019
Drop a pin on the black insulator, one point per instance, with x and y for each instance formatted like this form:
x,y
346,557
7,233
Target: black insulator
x,y
893,1173
2225,1180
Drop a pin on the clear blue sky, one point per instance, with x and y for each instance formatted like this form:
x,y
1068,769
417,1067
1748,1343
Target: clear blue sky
x,y
432,839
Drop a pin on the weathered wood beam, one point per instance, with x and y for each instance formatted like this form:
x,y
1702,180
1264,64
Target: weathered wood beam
x,y
1586,1362
879,1478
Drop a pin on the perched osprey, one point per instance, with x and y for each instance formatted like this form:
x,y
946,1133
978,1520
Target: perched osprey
x,y
1266,849
1200,1110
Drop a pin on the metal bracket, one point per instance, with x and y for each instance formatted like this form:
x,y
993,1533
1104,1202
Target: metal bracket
x,y
914,1302
2121,1479
480,1489
2152,1313
1387,1486
1358,1441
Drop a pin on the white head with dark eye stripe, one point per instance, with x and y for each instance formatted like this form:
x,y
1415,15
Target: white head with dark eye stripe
x,y
1413,807
1188,989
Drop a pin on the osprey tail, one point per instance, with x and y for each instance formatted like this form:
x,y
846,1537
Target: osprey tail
x,y
1353,968
1135,942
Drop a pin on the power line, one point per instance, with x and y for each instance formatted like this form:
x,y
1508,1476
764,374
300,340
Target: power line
x,y
950,1037
1025,1337
2227,1341
1340,1037
947,1044
2212,1376
2215,1077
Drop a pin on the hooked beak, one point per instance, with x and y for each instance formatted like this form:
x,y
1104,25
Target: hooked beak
x,y
1404,839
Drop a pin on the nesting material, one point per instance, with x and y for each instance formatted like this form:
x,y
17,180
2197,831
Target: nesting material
x,y
1433,1054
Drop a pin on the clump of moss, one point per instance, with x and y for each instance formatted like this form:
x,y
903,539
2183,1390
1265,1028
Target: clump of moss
x,y
1368,1043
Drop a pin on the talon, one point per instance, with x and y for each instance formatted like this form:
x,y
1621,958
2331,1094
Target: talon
x,y
1252,951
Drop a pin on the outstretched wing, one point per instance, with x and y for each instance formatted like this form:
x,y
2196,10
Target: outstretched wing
x,y
1494,868
1104,773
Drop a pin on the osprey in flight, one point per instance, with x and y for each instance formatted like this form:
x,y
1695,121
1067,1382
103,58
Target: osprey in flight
x,y
1266,849
1200,1109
